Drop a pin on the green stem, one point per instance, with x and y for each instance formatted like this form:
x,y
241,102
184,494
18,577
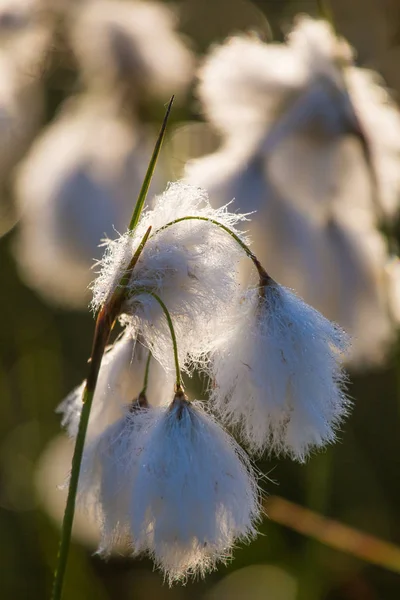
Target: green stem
x,y
104,325
120,289
264,277
102,334
150,170
178,382
146,376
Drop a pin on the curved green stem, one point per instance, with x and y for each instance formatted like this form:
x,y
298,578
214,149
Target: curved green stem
x,y
178,382
146,375
264,277
150,170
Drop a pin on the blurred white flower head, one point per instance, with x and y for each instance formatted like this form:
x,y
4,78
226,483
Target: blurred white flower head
x,y
312,143
133,44
77,185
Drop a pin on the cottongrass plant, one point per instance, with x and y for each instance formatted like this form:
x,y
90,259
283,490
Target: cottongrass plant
x,y
162,474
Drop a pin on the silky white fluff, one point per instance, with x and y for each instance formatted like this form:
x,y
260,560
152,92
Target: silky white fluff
x,y
194,494
119,383
191,265
73,188
278,374
133,44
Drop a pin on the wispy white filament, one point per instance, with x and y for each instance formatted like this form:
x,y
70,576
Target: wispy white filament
x,y
172,483
278,374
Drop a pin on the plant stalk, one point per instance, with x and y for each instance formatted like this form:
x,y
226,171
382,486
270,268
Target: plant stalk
x,y
104,324
101,336
178,380
264,277
150,170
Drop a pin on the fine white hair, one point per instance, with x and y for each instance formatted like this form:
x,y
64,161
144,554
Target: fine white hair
x,y
191,265
278,374
195,493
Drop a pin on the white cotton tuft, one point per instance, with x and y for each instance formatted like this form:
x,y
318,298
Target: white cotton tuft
x,y
131,44
119,383
195,494
278,375
191,266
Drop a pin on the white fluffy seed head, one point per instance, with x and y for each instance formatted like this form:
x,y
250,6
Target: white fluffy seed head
x,y
195,493
380,119
246,84
191,265
278,374
120,381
